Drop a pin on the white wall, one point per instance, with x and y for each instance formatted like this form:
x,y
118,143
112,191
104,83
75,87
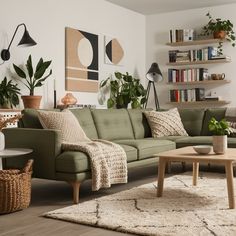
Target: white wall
x,y
46,21
157,28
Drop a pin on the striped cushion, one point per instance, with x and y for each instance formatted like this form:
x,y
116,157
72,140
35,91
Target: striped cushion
x,y
165,123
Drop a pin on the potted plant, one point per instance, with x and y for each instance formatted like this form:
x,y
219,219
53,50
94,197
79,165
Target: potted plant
x,y
220,130
33,78
8,94
221,29
124,89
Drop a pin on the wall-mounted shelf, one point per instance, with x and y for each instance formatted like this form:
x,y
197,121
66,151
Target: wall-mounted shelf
x,y
218,103
195,42
204,82
198,62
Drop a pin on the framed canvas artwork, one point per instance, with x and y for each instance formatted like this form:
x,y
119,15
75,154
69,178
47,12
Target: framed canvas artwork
x,y
82,70
114,52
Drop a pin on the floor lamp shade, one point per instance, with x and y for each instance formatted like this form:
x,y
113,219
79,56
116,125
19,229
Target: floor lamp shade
x,y
153,75
26,41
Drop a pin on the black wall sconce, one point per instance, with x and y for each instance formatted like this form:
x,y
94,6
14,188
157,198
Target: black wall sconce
x,y
26,41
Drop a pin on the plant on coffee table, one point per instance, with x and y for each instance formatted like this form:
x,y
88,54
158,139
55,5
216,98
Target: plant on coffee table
x,y
220,130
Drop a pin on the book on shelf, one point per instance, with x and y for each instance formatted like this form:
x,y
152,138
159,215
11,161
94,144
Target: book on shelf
x,y
187,75
187,95
213,98
181,35
203,54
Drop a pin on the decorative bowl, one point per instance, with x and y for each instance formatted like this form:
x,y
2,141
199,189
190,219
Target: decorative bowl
x,y
202,149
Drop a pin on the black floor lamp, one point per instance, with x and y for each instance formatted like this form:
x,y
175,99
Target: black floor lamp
x,y
153,75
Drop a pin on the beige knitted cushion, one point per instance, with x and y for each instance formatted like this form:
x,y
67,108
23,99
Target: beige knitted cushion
x,y
64,121
165,123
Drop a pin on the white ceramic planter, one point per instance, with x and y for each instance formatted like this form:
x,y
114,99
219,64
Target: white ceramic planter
x,y
2,141
219,144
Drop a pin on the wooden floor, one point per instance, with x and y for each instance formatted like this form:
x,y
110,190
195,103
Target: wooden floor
x,y
50,195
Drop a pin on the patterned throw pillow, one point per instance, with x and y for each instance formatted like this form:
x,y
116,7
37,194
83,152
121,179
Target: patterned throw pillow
x,y
64,121
165,123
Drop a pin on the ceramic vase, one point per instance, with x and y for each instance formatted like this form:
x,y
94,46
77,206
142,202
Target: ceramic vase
x,y
219,144
69,99
2,141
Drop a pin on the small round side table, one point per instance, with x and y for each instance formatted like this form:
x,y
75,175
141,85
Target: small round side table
x,y
13,152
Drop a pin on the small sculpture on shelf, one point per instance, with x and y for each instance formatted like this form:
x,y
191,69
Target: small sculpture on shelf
x,y
69,99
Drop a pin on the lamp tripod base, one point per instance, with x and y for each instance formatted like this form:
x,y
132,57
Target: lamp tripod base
x,y
151,83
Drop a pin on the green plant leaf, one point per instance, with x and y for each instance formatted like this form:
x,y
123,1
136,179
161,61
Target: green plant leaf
x,y
41,70
39,64
110,103
30,67
19,71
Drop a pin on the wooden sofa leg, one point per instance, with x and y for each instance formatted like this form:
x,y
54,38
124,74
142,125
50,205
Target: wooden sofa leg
x,y
75,185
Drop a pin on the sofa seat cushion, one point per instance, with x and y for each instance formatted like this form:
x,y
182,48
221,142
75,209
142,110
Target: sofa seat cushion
x,y
201,140
76,162
148,147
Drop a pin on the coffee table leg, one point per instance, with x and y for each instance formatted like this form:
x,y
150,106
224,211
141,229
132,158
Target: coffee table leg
x,y
161,176
195,172
230,183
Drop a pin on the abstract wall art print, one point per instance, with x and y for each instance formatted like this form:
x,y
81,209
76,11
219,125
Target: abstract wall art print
x,y
114,52
82,70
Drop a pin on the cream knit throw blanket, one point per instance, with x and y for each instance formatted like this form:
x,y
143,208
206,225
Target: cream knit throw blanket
x,y
108,161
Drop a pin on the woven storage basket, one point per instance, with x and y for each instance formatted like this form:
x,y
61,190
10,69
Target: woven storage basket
x,y
15,188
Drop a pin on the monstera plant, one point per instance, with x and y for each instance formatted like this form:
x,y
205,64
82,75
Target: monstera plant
x,y
33,78
124,89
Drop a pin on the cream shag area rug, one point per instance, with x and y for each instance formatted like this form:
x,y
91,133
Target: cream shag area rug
x,y
183,209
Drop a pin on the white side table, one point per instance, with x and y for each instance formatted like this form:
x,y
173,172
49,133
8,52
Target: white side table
x,y
13,152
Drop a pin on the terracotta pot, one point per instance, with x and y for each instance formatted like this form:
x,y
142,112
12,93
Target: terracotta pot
x,y
69,99
219,144
31,101
219,34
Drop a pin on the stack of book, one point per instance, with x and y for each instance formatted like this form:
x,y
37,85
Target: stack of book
x,y
187,95
187,75
181,35
204,54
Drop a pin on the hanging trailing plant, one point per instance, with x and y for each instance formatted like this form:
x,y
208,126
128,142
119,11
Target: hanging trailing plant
x,y
222,29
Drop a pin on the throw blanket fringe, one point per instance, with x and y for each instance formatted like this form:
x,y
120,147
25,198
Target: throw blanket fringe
x,y
108,161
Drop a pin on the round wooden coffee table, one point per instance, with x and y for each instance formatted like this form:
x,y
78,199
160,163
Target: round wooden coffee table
x,y
13,152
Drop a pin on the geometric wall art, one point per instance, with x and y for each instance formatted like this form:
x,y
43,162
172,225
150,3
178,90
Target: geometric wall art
x,y
114,53
82,72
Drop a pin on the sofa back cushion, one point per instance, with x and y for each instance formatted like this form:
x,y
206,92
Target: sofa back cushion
x,y
85,119
30,119
217,113
113,124
139,123
192,120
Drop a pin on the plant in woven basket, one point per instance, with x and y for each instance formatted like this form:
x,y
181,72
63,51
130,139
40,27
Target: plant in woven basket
x,y
5,121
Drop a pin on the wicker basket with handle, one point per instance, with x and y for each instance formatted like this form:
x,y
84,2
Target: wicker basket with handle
x,y
15,188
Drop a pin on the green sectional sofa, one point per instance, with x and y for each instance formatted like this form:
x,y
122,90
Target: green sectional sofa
x,y
127,127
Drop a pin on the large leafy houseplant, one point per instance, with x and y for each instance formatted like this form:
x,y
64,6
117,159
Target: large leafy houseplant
x,y
33,78
222,29
8,94
124,89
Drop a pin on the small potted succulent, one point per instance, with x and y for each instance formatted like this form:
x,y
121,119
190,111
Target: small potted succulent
x,y
221,29
33,78
8,94
220,130
124,89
